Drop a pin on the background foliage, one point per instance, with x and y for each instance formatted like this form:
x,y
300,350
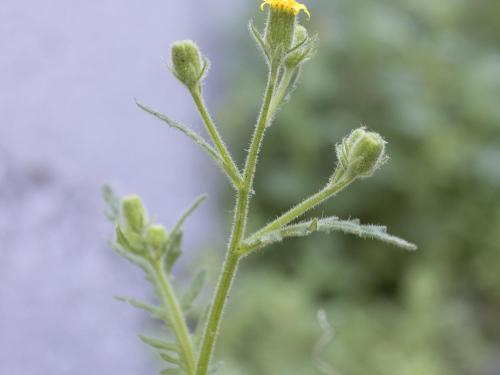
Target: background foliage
x,y
426,75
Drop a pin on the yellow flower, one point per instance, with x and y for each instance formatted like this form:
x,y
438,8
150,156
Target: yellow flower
x,y
287,5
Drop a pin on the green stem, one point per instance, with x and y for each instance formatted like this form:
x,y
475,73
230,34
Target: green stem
x,y
171,304
282,88
229,165
303,207
240,218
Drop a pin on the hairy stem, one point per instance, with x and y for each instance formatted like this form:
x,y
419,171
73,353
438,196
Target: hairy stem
x,y
171,304
301,208
229,165
240,218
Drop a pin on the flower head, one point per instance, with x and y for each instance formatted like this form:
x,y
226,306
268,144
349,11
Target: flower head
x,y
290,6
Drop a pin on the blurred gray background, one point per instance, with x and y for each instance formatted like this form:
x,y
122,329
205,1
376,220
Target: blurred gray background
x,y
69,70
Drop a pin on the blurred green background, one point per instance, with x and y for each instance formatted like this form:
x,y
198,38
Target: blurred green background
x,y
426,75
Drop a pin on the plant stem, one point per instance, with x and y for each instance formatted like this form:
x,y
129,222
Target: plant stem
x,y
171,304
303,207
240,219
229,165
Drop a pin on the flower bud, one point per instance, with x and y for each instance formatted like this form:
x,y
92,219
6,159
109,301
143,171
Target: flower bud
x,y
299,55
367,153
133,211
359,155
280,29
187,64
157,237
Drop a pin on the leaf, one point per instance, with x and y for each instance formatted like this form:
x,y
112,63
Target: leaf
x,y
135,259
155,311
112,202
171,371
194,290
159,344
175,240
173,250
258,38
189,211
327,225
191,134
169,358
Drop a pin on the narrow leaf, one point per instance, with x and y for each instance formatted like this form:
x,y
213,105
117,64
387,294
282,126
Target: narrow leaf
x,y
175,240
189,211
173,250
188,132
171,371
169,358
327,225
155,311
159,344
194,290
258,38
112,202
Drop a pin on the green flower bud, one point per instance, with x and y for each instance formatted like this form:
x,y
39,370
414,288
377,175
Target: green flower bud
x,y
187,64
367,153
359,155
280,30
133,211
297,56
157,237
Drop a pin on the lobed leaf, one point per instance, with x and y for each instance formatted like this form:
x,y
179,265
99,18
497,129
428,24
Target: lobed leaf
x,y
159,344
327,225
188,132
155,311
112,203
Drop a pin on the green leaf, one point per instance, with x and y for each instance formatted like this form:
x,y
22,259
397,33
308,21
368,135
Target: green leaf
x,y
171,371
159,344
155,311
173,250
194,290
133,258
258,38
189,211
113,204
175,240
327,225
169,358
188,132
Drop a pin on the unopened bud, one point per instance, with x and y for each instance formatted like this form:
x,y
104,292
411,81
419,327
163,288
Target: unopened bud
x,y
367,153
280,30
157,237
187,64
359,155
301,53
133,211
